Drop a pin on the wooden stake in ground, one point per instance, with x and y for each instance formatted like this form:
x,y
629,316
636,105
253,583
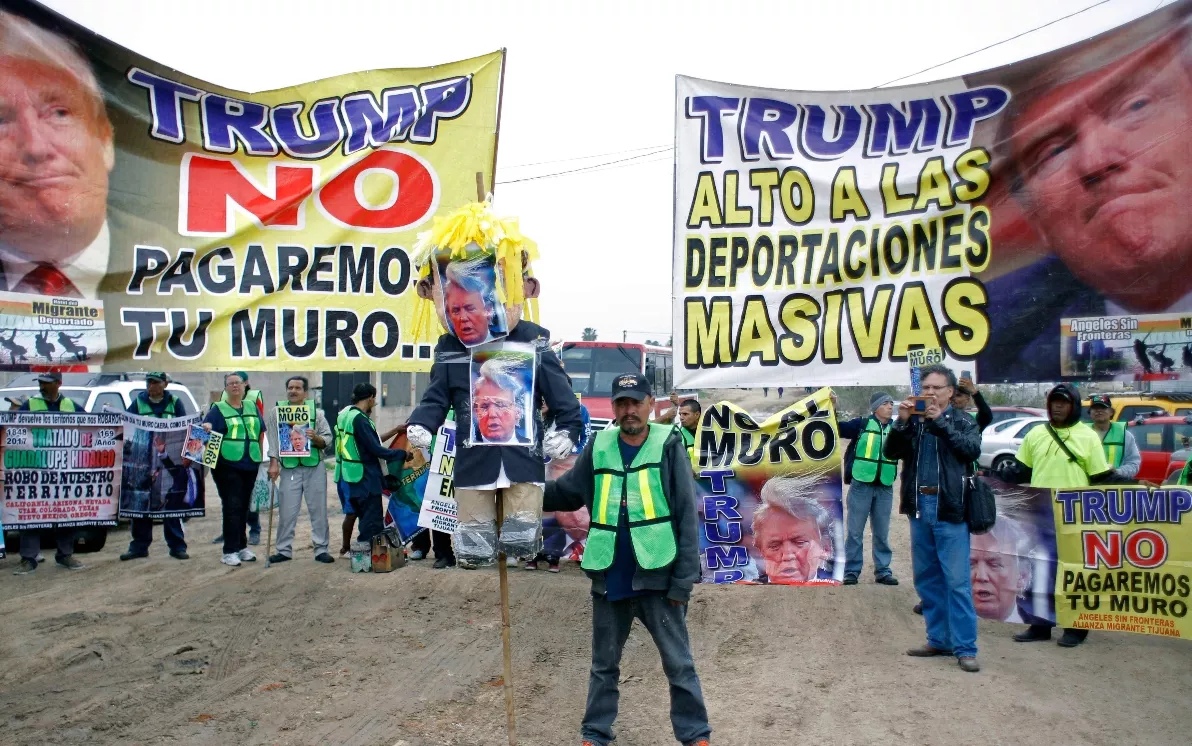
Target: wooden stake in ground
x,y
269,538
506,649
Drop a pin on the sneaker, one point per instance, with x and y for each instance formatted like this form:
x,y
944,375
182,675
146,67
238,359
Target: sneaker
x,y
700,742
254,537
27,566
553,566
345,553
275,558
511,562
417,554
179,554
246,555
133,555
70,563
231,559
886,580
442,563
531,564
325,558
217,539
850,579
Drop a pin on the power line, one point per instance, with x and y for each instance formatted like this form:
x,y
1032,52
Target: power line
x,y
595,170
588,157
587,168
991,46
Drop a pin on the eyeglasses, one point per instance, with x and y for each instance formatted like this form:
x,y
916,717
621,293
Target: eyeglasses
x,y
493,406
934,389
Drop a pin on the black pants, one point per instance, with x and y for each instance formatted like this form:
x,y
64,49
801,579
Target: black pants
x,y
31,542
235,493
1045,629
370,518
439,540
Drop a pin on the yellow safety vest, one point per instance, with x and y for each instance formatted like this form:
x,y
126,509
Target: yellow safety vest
x,y
348,465
243,427
1114,443
869,461
38,404
640,486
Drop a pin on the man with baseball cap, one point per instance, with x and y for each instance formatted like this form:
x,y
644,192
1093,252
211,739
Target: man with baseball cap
x,y
48,399
155,401
642,555
870,476
1121,450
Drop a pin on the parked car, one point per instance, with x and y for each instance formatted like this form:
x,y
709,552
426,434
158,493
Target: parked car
x,y
91,392
1001,414
1129,405
1158,438
999,446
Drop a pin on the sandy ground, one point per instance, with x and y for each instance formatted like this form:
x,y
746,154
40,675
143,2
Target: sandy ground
x,y
159,651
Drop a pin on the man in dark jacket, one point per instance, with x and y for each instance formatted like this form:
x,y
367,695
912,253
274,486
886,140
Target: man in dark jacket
x,y
935,448
870,476
518,471
967,397
358,456
642,555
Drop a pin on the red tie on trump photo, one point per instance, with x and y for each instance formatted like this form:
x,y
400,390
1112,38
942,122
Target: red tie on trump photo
x,y
46,279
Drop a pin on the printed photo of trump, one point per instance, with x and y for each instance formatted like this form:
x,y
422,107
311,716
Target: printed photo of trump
x,y
469,298
795,536
502,387
56,152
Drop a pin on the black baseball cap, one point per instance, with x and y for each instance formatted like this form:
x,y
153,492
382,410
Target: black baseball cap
x,y
631,386
1099,400
158,376
51,376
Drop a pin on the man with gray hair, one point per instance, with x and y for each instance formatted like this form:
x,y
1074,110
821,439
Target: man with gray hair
x,y
498,397
468,299
56,150
870,476
936,448
794,534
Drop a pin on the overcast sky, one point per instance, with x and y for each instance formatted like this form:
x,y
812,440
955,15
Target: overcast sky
x,y
597,79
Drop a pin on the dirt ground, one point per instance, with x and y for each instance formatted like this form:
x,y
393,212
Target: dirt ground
x,y
159,651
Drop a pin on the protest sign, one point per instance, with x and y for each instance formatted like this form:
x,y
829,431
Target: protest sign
x,y
837,232
404,489
502,376
438,509
248,231
770,494
1125,559
293,430
60,469
202,447
157,481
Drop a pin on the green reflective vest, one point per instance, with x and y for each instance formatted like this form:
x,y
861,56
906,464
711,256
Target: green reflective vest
x,y
315,458
348,465
145,409
1114,443
869,461
38,404
688,441
640,486
243,427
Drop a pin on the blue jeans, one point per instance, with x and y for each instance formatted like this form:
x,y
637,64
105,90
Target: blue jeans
x,y
142,535
667,624
940,555
865,500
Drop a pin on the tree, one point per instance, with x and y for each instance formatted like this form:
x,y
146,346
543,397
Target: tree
x,y
589,334
653,342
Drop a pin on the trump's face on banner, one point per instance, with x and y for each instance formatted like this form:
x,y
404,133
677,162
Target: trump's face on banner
x,y
55,146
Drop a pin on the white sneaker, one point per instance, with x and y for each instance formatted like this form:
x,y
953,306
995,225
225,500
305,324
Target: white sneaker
x,y
246,555
511,562
231,559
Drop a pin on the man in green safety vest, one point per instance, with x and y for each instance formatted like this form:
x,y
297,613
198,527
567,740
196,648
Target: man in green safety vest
x,y
358,454
155,401
47,400
300,475
1121,450
235,472
870,476
642,555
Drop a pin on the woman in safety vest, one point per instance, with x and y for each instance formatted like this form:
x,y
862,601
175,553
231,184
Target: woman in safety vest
x,y
235,472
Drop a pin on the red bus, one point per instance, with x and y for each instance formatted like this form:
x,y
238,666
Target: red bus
x,y
593,366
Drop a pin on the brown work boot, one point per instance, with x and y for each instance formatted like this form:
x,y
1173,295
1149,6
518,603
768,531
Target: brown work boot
x,y
969,665
927,651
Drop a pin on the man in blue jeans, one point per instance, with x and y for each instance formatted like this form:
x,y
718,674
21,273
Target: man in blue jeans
x,y
642,556
870,476
936,448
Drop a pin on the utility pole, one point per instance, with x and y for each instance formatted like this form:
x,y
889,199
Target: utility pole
x,y
624,336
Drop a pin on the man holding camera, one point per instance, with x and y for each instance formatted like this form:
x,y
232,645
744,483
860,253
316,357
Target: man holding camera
x,y
936,444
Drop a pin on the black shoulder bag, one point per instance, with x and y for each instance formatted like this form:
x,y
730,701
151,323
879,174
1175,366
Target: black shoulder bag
x,y
980,509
